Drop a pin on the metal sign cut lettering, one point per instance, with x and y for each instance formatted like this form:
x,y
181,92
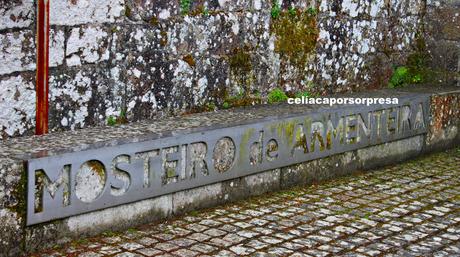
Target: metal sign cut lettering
x,y
73,183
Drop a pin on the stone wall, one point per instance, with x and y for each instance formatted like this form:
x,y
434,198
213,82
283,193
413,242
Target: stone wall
x,y
18,239
144,59
443,38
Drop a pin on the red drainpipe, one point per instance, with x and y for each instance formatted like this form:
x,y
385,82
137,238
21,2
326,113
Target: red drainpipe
x,y
42,87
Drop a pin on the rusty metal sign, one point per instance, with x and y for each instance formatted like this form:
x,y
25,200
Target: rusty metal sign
x,y
73,183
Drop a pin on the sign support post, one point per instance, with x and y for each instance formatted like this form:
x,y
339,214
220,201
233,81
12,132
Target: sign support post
x,y
42,87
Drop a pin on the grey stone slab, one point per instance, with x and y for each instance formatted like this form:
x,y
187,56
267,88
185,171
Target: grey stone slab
x,y
62,185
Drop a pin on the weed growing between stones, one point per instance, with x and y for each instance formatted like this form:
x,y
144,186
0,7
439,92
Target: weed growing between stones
x,y
205,11
292,11
201,10
306,94
400,77
416,71
80,241
121,119
277,96
110,233
226,105
210,107
276,9
111,121
132,230
241,100
417,68
185,6
193,213
312,11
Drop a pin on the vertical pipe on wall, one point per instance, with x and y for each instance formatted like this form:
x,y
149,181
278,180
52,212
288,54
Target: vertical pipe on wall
x,y
42,87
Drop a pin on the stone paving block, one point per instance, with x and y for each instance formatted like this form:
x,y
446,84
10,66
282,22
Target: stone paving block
x,y
183,242
263,231
185,253
225,253
240,250
220,242
163,237
203,248
256,244
291,246
315,252
233,238
199,237
297,254
243,225
431,230
214,232
128,254
210,223
131,246
149,251
180,231
166,246
247,233
196,227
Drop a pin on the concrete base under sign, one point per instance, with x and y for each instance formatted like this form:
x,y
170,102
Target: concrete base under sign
x,y
16,238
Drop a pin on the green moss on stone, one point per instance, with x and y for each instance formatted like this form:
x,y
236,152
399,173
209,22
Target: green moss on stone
x,y
170,172
154,21
289,128
240,61
98,168
244,143
164,38
127,11
20,194
296,35
241,69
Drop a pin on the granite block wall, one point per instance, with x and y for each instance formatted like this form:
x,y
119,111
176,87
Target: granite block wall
x,y
142,59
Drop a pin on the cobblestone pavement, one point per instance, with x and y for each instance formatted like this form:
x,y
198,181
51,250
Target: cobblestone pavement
x,y
411,209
